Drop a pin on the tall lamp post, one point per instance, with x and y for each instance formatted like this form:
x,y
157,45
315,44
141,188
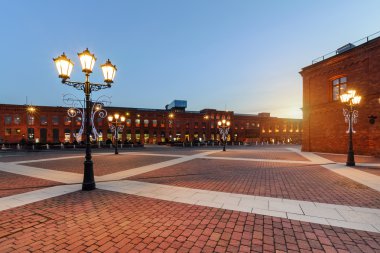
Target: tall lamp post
x,y
116,124
224,127
350,99
65,66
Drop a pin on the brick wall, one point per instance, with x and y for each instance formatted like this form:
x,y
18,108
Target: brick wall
x,y
323,122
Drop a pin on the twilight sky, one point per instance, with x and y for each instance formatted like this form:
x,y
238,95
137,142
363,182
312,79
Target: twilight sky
x,y
242,55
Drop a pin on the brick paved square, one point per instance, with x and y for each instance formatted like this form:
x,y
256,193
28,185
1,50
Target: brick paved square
x,y
275,154
103,164
115,220
11,184
100,221
290,181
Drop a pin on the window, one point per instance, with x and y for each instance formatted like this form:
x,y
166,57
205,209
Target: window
x,y
55,120
7,131
17,131
137,122
8,120
43,120
17,119
67,121
196,125
339,86
100,121
154,123
128,121
30,120
146,122
78,121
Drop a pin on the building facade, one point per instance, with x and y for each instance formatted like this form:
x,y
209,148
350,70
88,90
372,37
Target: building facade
x,y
354,66
48,124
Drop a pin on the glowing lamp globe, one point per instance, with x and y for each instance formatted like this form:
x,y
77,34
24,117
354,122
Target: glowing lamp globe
x,y
87,60
109,71
64,66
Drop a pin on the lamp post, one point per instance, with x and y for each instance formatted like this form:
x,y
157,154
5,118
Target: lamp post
x,y
65,66
350,99
224,127
116,124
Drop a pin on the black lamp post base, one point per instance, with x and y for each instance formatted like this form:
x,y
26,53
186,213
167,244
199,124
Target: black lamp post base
x,y
350,159
224,148
88,177
88,186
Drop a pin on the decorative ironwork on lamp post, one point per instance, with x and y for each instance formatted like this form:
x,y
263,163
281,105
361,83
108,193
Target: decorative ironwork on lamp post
x,y
224,127
350,99
77,110
116,124
65,66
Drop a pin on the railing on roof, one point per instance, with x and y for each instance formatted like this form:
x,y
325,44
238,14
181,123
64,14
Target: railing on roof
x,y
356,43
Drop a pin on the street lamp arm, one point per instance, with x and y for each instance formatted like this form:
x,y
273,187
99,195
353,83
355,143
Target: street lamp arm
x,y
81,85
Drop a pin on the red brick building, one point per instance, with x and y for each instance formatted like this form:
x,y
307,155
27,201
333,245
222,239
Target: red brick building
x,y
48,124
354,66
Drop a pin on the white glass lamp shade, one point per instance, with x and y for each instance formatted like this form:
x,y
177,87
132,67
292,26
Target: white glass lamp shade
x,y
356,100
110,118
223,121
109,71
344,98
64,66
87,60
122,119
228,123
116,115
219,123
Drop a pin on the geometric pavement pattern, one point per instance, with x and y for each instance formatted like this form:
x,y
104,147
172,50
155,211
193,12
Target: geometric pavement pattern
x,y
270,199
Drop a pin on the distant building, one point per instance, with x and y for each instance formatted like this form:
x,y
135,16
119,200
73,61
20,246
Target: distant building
x,y
349,67
49,124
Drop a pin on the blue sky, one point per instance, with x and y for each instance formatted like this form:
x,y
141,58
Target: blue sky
x,y
241,55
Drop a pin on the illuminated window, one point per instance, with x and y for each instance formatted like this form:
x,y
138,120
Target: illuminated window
x,y
17,119
17,131
137,123
30,120
154,122
339,86
129,122
196,125
146,122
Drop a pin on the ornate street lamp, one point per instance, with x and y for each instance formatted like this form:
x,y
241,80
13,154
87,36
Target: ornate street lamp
x,y
116,124
350,99
65,66
224,127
